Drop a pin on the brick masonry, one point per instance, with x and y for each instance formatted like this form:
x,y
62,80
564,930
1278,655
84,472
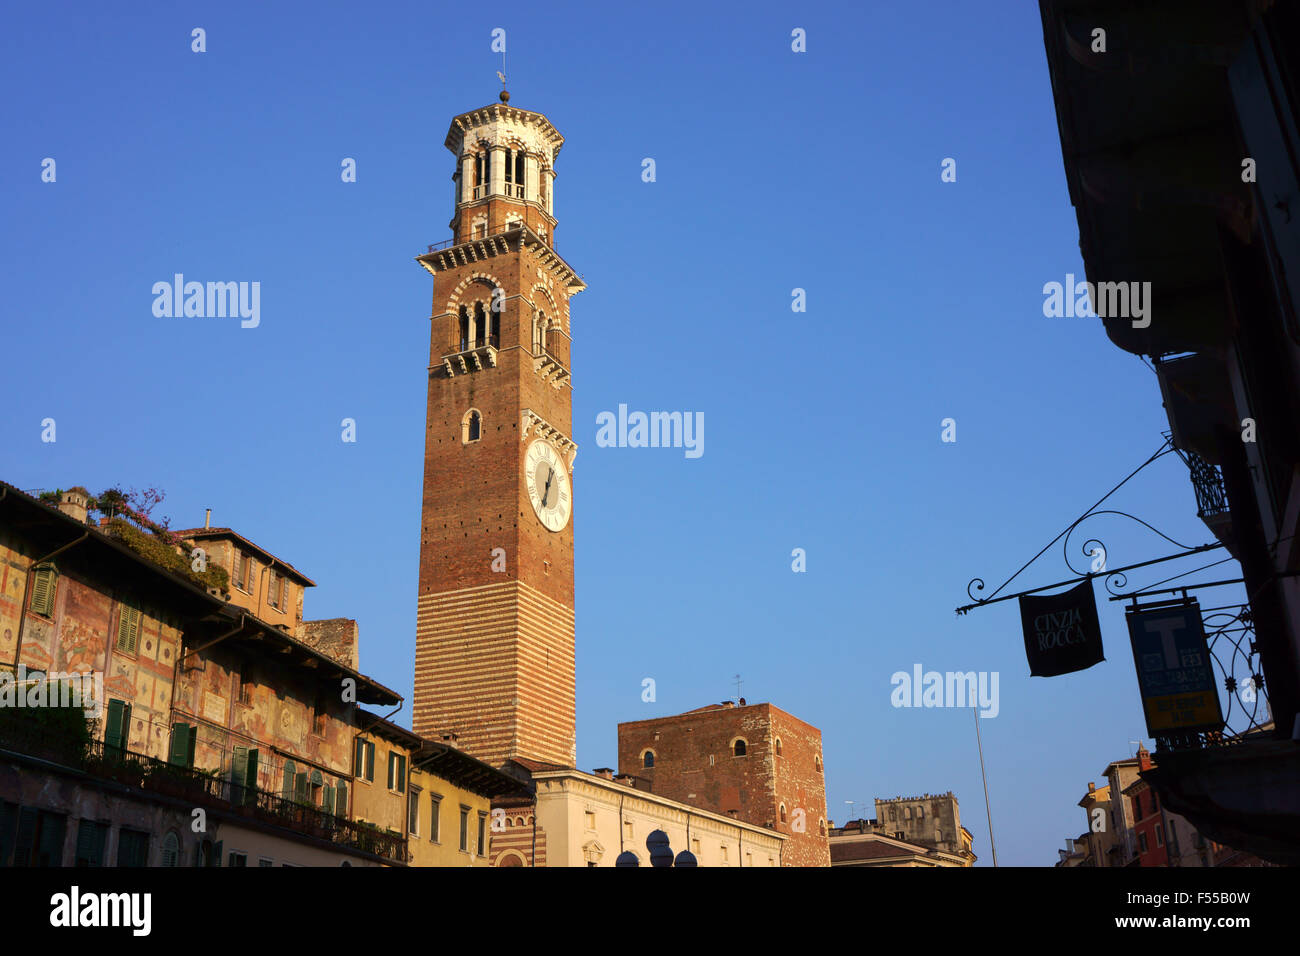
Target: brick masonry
x,y
494,645
694,763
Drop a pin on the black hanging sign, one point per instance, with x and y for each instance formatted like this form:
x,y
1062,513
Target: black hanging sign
x,y
1062,634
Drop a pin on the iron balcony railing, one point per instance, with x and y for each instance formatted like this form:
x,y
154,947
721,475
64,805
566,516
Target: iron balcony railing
x,y
214,789
511,226
481,341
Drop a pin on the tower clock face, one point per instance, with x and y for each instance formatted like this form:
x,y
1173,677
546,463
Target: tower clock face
x,y
548,484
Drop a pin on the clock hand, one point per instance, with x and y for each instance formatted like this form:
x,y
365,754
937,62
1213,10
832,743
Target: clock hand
x,y
546,495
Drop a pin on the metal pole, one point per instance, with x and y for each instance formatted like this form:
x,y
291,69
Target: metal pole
x,y
987,809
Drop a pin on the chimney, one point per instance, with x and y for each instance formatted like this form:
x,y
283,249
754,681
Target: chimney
x,y
728,704
606,772
207,520
74,504
742,702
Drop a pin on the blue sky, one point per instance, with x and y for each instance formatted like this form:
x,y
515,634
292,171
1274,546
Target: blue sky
x,y
775,170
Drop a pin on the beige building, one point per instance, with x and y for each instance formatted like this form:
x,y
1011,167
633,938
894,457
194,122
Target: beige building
x,y
588,819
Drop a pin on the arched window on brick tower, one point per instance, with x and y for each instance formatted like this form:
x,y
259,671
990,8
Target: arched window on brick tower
x,y
471,426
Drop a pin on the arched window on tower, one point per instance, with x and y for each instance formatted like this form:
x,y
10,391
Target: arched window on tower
x,y
519,174
471,426
648,759
466,333
739,749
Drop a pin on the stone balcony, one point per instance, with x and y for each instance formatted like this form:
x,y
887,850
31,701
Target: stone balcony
x,y
472,356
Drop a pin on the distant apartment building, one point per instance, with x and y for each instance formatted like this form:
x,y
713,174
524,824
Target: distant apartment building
x,y
753,761
437,797
1129,825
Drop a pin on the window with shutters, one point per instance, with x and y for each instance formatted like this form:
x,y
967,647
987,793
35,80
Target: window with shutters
x,y
364,761
132,848
244,573
91,838
183,740
39,841
265,861
44,583
341,799
301,787
396,772
171,850
290,777
128,628
464,829
369,761
117,725
273,583
413,812
315,788
482,834
434,812
243,776
237,858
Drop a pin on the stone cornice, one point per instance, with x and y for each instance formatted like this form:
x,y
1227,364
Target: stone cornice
x,y
529,420
586,785
462,125
513,240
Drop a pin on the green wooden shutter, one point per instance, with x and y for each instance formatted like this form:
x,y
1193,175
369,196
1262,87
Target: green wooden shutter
x,y
300,787
216,853
114,723
392,765
49,851
401,773
85,844
193,740
250,778
128,628
359,758
43,590
239,775
286,789
341,799
327,799
170,850
26,837
370,762
8,821
179,749
125,737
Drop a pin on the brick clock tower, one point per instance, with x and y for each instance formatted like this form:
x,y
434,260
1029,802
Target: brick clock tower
x,y
494,659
